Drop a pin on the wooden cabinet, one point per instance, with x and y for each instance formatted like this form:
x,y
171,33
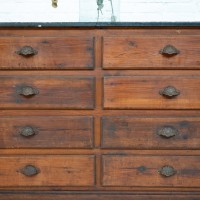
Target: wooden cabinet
x,y
98,114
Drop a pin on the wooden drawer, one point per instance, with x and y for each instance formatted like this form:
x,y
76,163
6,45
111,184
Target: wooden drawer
x,y
151,132
47,53
46,92
144,52
151,171
152,92
47,171
46,132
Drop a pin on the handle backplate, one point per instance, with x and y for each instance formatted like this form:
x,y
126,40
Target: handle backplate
x,y
27,91
27,51
27,131
167,131
167,171
169,92
169,50
30,170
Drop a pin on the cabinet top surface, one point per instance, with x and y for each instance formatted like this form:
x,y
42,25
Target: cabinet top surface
x,y
99,13
98,24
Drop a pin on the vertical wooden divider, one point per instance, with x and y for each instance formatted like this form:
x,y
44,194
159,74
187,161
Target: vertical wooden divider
x,y
98,105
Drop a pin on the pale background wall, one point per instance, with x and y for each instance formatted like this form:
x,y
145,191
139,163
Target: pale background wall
x,y
73,10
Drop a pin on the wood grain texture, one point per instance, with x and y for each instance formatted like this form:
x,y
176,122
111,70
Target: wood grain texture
x,y
142,92
85,89
143,133
127,170
50,132
53,53
55,92
33,196
138,52
76,170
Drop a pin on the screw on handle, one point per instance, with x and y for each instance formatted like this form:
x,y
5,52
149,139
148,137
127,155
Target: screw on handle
x,y
169,92
27,51
30,170
167,131
169,50
167,171
27,91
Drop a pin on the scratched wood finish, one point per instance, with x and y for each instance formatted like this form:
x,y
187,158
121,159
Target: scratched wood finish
x,y
138,52
119,170
33,196
53,53
55,92
49,132
142,92
61,108
76,170
143,133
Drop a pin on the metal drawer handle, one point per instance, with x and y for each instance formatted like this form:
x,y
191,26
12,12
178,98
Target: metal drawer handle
x,y
169,50
167,171
27,131
27,91
167,132
27,51
169,91
30,170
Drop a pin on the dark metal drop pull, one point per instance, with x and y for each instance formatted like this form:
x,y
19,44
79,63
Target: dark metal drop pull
x,y
27,51
169,91
167,171
167,132
27,91
169,50
27,131
30,170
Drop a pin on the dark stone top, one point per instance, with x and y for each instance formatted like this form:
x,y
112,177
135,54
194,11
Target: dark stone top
x,y
98,24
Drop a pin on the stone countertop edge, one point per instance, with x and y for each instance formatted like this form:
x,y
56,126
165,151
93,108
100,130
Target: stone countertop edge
x,y
97,24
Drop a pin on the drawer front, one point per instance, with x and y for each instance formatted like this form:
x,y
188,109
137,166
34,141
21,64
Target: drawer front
x,y
152,92
47,53
46,92
46,132
151,52
151,171
151,133
47,171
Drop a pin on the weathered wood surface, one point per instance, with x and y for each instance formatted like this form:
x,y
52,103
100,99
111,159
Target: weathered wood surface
x,y
52,53
69,94
143,92
54,92
76,170
149,132
138,52
47,132
143,171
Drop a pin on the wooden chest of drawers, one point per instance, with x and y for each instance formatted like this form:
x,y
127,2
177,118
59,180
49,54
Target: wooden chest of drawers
x,y
98,114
